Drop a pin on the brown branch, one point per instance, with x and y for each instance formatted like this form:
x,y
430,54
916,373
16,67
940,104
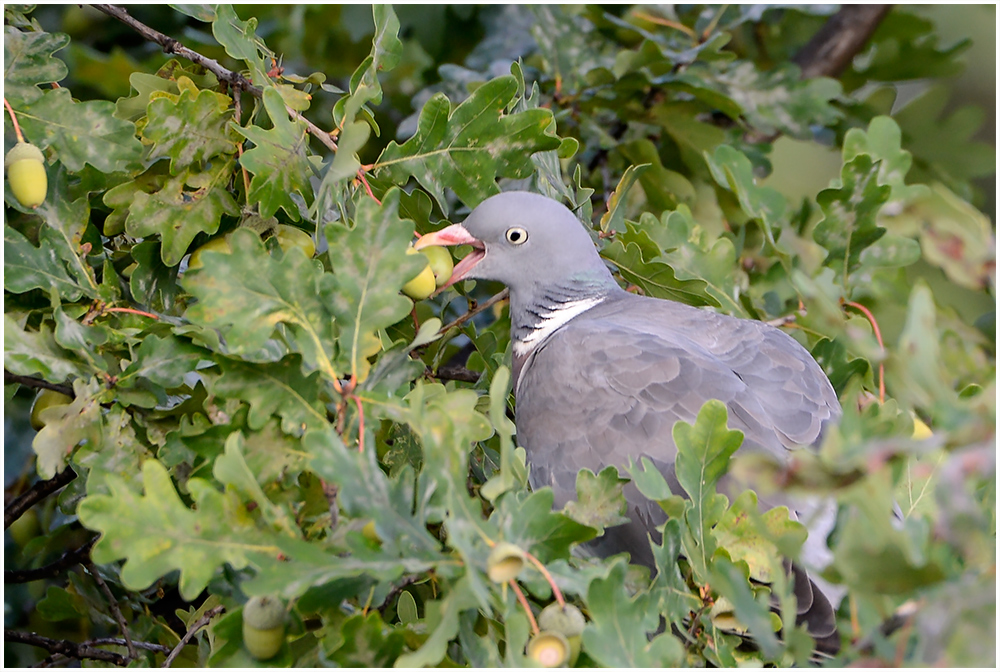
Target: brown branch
x,y
840,39
68,559
115,610
459,373
35,494
195,627
36,383
64,647
172,46
233,79
833,47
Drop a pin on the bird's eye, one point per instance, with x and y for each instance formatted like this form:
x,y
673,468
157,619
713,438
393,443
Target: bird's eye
x,y
516,235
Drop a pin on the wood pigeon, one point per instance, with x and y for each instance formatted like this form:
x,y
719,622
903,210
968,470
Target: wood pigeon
x,y
601,376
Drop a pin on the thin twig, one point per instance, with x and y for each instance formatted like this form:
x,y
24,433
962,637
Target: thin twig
x,y
68,559
64,647
118,641
525,606
500,296
28,381
133,311
195,627
115,610
13,120
34,494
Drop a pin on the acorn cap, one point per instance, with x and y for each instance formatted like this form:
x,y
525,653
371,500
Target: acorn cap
x,y
505,562
548,649
22,151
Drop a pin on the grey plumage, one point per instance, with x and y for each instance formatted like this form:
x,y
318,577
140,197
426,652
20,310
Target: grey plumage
x,y
602,375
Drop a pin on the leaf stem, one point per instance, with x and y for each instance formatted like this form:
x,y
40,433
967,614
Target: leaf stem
x,y
524,605
548,577
13,119
878,337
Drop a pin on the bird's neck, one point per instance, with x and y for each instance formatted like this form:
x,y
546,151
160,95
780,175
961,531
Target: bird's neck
x,y
537,315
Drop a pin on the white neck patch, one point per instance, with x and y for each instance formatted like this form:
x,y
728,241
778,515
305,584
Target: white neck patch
x,y
552,320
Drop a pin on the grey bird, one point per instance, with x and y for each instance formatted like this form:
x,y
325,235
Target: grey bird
x,y
601,375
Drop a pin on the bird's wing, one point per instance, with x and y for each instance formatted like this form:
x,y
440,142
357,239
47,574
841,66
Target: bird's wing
x,y
791,389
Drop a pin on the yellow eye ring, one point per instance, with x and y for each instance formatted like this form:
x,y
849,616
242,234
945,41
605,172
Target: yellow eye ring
x,y
516,235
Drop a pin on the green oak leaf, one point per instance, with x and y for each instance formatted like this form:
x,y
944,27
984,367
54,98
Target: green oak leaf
x,y
528,521
240,41
945,146
278,160
66,223
779,100
614,218
370,267
364,491
445,614
882,141
850,214
163,361
703,452
156,533
188,204
275,388
27,267
152,283
467,147
133,108
81,133
69,426
732,169
28,61
232,470
248,293
618,633
189,129
365,641
753,613
758,538
664,188
600,499
695,255
385,55
640,262
29,352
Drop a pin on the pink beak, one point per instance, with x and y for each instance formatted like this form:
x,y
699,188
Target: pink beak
x,y
456,234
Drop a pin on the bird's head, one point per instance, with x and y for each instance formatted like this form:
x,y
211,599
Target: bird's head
x,y
526,241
